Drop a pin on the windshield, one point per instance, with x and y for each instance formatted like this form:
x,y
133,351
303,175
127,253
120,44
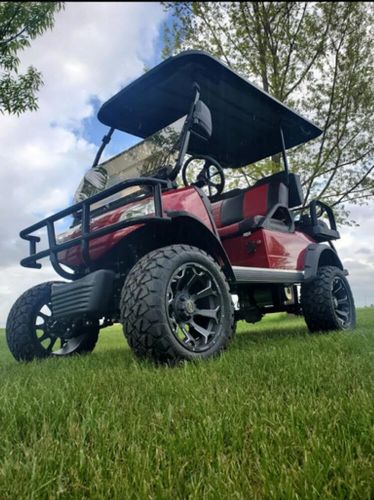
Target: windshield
x,y
144,159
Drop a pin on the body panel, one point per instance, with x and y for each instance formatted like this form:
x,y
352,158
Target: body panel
x,y
268,249
185,200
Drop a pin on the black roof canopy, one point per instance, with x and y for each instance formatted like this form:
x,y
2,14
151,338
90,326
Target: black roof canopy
x,y
246,120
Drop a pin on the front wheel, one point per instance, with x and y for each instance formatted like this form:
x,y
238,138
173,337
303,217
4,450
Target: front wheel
x,y
327,301
176,305
32,332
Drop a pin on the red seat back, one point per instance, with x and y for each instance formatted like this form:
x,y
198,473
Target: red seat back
x,y
257,200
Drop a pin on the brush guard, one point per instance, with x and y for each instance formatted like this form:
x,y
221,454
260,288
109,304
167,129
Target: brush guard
x,y
84,207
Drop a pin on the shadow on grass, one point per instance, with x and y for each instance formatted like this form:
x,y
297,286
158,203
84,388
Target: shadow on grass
x,y
260,336
252,335
114,357
116,354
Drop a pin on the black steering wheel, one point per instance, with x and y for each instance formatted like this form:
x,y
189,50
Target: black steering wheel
x,y
211,170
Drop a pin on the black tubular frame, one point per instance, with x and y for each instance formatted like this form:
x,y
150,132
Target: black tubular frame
x,y
284,155
86,233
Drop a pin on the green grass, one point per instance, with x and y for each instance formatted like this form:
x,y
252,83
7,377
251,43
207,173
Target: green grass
x,y
282,414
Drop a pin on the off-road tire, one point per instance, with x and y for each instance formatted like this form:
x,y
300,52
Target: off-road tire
x,y
319,305
144,309
21,330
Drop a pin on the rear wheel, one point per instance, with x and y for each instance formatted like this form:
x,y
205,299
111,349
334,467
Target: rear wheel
x,y
32,332
327,301
176,305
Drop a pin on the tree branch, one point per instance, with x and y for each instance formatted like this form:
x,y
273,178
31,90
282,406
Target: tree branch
x,y
10,39
354,186
212,31
292,45
9,23
329,113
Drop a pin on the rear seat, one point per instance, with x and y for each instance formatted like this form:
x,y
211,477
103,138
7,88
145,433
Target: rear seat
x,y
247,210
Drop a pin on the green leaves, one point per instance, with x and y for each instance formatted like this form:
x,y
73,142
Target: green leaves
x,y
17,94
21,22
315,57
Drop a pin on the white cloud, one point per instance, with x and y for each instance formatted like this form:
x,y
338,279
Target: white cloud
x,y
356,252
94,49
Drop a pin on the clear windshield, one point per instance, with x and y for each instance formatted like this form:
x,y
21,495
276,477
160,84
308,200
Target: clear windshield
x,y
142,160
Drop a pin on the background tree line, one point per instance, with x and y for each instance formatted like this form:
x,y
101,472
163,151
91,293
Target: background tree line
x,y
317,58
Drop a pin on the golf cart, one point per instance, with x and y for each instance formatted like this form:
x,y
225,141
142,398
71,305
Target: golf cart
x,y
165,260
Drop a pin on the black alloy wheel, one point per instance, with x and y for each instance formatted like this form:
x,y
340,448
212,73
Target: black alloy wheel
x,y
32,332
327,301
56,337
342,302
176,305
194,307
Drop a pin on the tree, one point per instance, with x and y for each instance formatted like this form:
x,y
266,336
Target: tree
x,y
314,56
21,22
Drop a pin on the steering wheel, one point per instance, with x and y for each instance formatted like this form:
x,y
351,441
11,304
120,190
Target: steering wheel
x,y
210,170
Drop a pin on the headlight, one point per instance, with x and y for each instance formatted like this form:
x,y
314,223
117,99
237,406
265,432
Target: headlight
x,y
139,209
67,235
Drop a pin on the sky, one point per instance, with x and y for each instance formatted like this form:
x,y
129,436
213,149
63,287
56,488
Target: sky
x,y
94,49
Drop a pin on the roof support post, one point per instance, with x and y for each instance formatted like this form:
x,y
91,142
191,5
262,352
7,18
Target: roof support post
x,y
105,140
284,154
185,138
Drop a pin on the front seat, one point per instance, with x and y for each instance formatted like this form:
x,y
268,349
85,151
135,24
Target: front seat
x,y
266,204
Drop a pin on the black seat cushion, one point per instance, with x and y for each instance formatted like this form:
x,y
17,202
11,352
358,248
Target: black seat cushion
x,y
232,210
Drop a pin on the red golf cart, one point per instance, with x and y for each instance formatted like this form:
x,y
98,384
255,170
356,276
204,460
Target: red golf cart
x,y
165,260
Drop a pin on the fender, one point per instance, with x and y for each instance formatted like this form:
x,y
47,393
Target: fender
x,y
188,229
317,255
181,228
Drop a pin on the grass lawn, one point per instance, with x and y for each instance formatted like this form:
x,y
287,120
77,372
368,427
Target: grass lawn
x,y
282,414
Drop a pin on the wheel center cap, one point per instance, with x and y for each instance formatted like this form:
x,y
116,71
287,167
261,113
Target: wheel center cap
x,y
185,307
190,306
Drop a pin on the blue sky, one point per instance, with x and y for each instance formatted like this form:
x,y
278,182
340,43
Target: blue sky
x,y
93,130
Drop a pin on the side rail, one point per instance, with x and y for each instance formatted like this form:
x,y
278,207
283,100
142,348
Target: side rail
x,y
84,207
315,226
